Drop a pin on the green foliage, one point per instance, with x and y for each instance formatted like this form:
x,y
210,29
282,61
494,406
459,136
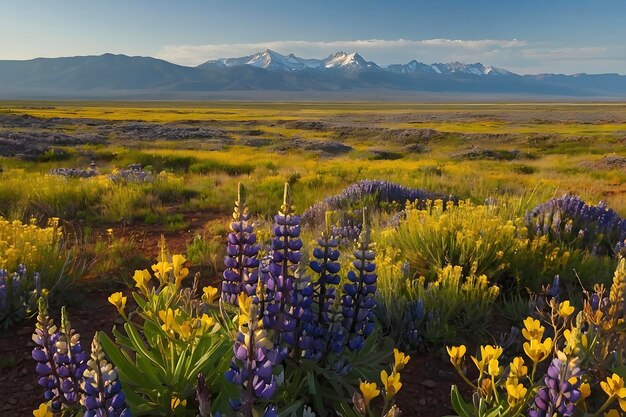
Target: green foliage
x,y
473,237
178,338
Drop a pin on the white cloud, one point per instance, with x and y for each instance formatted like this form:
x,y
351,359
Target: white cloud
x,y
380,50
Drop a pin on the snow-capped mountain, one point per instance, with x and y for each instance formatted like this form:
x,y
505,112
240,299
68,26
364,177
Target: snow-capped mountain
x,y
272,60
344,75
350,62
475,69
269,59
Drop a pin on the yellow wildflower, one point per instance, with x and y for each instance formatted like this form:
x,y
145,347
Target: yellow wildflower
x,y
493,368
585,391
532,329
210,294
612,413
614,388
43,411
565,309
391,383
245,303
536,350
186,330
518,369
205,323
515,393
487,353
161,270
400,360
141,279
180,273
168,317
369,390
119,301
456,354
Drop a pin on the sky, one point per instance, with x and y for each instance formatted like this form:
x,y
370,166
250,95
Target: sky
x,y
524,36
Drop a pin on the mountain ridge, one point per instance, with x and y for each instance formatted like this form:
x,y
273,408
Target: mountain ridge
x,y
341,73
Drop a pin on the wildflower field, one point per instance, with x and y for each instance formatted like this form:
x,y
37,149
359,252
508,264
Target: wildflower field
x,y
312,259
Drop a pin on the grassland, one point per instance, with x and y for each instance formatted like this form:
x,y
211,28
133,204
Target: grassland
x,y
533,151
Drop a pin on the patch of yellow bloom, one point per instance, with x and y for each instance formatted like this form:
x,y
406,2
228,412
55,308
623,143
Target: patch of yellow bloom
x,y
369,390
537,350
180,272
43,411
161,269
142,278
532,329
614,388
487,354
400,360
517,368
565,309
391,383
119,301
456,354
515,392
209,294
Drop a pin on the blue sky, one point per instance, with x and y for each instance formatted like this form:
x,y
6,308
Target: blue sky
x,y
526,36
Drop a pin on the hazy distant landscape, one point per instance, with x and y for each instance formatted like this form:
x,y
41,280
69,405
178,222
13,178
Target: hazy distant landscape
x,y
269,75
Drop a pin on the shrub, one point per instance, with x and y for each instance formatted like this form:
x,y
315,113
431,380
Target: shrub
x,y
359,194
42,249
470,236
569,220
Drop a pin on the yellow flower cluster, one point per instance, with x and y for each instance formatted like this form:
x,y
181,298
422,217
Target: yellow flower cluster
x,y
177,325
27,243
489,368
391,384
536,349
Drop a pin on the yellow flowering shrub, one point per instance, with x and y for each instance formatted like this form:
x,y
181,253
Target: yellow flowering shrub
x,y
28,243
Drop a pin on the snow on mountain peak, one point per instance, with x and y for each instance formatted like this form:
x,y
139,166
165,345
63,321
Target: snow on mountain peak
x,y
272,60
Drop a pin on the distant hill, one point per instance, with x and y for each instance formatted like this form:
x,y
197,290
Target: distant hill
x,y
111,76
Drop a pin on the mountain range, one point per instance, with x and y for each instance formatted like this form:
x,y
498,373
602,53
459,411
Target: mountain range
x,y
121,76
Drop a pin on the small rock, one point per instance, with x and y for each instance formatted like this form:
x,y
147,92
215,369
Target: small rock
x,y
24,371
12,401
429,383
422,401
28,387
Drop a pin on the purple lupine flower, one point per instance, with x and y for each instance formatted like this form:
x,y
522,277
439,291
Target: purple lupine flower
x,y
252,366
326,267
558,398
380,191
285,257
103,395
570,220
241,261
358,301
71,360
46,337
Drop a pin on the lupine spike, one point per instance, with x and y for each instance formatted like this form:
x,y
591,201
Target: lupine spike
x,y
241,274
358,300
103,391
